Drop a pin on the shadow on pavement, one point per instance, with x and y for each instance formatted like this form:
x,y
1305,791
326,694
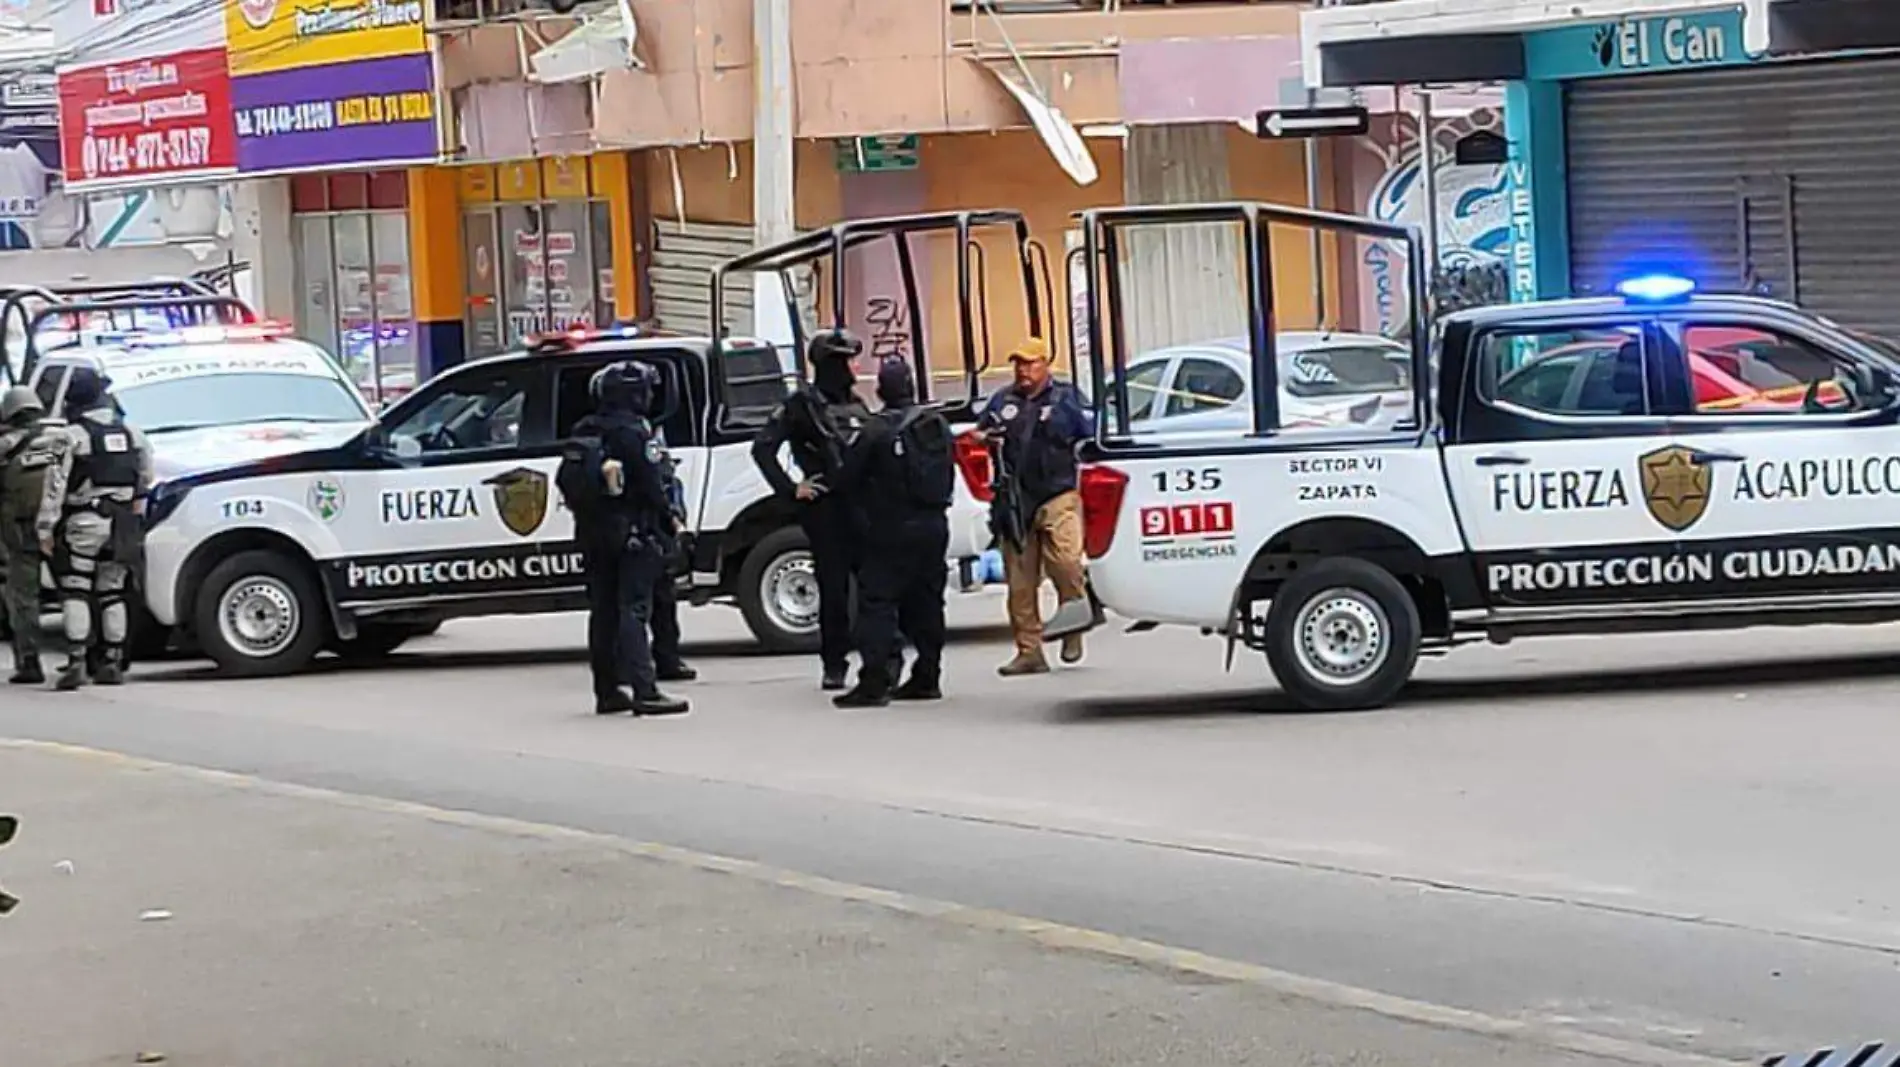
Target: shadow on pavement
x,y
420,657
1728,676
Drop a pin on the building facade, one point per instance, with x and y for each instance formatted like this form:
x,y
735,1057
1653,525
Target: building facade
x,y
1673,137
419,182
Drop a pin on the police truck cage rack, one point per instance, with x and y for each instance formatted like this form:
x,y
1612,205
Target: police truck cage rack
x,y
181,302
750,374
214,317
1101,252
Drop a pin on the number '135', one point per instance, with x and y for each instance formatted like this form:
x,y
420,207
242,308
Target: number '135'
x,y
1188,480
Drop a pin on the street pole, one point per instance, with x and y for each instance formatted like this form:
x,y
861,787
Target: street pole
x,y
772,158
1428,182
1319,240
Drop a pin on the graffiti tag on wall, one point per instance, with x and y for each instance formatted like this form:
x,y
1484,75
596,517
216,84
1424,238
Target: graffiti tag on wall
x,y
889,322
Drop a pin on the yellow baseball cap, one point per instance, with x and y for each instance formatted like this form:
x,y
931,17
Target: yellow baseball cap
x,y
1031,350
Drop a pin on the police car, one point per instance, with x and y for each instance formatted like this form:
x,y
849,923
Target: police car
x,y
210,396
1575,475
445,507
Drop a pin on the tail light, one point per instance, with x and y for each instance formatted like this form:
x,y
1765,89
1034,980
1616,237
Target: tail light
x,y
1102,490
973,461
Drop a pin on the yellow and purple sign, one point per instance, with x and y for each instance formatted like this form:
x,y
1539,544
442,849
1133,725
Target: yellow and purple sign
x,y
330,83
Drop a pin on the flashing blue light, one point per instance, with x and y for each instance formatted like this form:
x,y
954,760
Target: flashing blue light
x,y
1654,288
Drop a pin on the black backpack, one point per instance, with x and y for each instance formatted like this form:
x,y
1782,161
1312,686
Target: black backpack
x,y
923,449
581,477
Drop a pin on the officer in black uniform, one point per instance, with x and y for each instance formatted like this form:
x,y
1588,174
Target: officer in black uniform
x,y
667,660
625,540
820,423
900,474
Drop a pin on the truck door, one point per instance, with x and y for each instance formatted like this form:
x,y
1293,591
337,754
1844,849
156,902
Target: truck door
x,y
1560,467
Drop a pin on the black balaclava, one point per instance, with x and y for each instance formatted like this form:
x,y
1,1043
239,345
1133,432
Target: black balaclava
x,y
830,355
84,387
896,387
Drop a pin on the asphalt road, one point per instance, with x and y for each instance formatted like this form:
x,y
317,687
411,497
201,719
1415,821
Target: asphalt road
x,y
1680,841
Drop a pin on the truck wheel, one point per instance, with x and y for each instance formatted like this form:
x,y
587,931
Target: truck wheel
x,y
1342,635
778,592
260,614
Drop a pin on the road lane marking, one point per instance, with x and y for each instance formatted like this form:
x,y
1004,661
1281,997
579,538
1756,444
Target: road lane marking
x,y
1053,935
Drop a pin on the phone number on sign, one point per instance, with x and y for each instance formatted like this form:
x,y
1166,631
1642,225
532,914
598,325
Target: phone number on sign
x,y
108,155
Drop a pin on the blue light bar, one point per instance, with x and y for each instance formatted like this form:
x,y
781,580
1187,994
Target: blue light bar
x,y
1654,288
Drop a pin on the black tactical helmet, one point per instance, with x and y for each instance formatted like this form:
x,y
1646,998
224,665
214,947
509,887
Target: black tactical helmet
x,y
626,385
833,344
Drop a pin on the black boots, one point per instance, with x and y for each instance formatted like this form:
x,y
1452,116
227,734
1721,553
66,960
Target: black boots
x,y
655,705
677,672
863,695
918,688
28,672
71,676
834,679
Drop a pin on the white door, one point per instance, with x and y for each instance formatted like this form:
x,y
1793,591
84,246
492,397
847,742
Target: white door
x,y
468,510
1553,472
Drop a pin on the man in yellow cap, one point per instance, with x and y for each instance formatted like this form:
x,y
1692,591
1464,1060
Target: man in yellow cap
x,y
1036,422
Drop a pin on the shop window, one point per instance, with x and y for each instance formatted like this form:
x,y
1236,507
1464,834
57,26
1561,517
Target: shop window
x,y
601,225
552,270
354,285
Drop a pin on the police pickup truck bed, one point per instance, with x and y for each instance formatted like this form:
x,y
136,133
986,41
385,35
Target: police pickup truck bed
x,y
1659,461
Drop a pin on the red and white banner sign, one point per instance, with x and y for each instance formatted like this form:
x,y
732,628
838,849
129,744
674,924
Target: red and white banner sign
x,y
163,117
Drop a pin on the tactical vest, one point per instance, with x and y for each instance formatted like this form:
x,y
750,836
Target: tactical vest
x,y
820,449
28,459
113,462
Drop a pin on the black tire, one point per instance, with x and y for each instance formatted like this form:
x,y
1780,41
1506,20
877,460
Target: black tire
x,y
766,623
1370,599
305,631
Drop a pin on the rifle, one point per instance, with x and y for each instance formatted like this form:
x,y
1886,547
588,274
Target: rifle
x,y
1007,520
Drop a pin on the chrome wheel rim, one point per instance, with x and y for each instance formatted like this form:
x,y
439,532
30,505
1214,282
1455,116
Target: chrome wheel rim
x,y
1342,637
259,617
791,592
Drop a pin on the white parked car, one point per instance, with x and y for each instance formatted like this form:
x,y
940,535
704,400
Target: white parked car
x,y
1327,380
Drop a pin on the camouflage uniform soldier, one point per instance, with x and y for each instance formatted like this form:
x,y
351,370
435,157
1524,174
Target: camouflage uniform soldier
x,y
29,449
89,521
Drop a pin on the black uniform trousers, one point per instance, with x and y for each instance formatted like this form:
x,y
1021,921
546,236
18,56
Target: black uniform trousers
x,y
900,588
666,624
620,585
832,530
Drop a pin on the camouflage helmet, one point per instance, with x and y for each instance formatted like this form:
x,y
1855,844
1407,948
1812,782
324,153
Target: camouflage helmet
x,y
20,402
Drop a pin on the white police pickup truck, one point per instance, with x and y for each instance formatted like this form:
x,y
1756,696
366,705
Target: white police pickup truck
x,y
1658,461
446,508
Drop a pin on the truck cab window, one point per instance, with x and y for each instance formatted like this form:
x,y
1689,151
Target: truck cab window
x,y
1571,372
1739,370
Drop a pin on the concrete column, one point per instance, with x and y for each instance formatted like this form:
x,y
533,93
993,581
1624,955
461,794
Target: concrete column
x,y
260,236
773,194
1539,258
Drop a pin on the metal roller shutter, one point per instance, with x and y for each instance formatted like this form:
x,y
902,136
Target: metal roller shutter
x,y
681,271
1771,179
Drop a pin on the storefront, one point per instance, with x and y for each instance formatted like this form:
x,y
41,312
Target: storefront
x,y
1766,178
354,274
538,248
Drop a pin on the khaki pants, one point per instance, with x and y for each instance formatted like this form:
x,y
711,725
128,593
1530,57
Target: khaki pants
x,y
1053,547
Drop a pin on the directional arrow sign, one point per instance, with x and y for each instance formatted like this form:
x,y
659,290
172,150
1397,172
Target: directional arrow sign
x,y
1282,123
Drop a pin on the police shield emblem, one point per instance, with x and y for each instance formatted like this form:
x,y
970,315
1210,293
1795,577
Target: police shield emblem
x,y
1675,486
521,499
